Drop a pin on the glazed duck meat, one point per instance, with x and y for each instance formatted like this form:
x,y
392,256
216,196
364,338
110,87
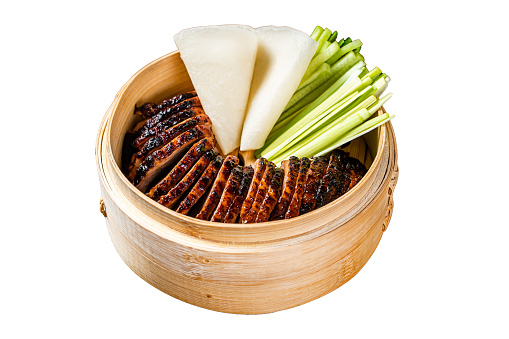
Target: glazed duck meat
x,y
330,186
161,128
271,197
263,187
148,110
295,203
353,173
172,156
313,179
184,164
170,199
201,186
216,192
163,138
291,171
157,123
164,114
176,100
158,161
234,210
342,174
259,169
229,193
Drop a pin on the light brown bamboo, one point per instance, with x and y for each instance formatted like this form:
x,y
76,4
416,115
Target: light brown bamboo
x,y
235,268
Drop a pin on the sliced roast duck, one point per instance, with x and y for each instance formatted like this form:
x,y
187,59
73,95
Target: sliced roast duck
x,y
172,156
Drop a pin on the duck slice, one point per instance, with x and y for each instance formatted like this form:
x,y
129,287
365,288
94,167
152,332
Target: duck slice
x,y
271,197
259,168
148,110
165,114
229,193
170,199
291,172
234,210
314,177
136,138
353,173
160,128
341,182
184,164
294,207
263,187
176,100
217,188
163,138
158,161
206,179
329,188
128,150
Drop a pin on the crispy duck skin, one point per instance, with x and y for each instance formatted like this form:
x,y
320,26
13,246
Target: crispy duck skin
x,y
170,199
234,210
162,138
128,151
158,161
181,116
259,168
180,169
176,100
342,181
166,118
291,172
263,187
165,114
314,176
330,186
206,179
217,187
229,193
135,139
148,110
354,171
271,197
294,207
171,133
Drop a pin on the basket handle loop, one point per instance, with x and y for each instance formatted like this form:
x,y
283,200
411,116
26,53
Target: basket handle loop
x,y
102,208
390,202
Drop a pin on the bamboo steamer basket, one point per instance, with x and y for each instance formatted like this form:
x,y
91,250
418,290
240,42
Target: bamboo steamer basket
x,y
234,268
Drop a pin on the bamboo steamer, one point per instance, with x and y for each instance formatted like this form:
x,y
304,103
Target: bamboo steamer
x,y
248,269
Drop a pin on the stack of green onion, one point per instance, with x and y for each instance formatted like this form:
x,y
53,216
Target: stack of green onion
x,y
333,104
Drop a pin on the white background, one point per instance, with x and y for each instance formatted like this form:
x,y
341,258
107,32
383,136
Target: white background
x,y
441,269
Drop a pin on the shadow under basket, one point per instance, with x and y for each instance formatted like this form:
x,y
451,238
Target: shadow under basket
x,y
235,268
